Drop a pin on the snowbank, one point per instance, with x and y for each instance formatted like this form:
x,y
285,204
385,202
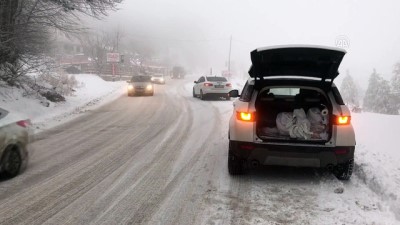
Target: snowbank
x,y
378,155
92,92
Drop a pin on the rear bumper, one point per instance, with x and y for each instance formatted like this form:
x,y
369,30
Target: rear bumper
x,y
290,155
221,91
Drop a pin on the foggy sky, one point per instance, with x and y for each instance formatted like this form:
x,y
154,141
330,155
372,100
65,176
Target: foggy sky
x,y
197,32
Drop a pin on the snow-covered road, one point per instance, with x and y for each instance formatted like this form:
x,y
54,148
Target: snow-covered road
x,y
163,160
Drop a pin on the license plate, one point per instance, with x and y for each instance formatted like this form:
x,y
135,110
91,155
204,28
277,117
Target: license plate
x,y
219,86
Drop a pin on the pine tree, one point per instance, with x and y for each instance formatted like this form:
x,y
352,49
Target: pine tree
x,y
395,83
349,91
371,95
378,97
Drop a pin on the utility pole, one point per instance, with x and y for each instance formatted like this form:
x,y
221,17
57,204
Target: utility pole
x,y
229,59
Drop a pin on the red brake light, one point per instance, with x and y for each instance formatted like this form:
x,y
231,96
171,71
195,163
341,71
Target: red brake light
x,y
247,147
342,120
208,84
341,151
229,85
245,116
23,123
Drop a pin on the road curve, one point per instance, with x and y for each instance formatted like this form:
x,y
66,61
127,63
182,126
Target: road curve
x,y
161,160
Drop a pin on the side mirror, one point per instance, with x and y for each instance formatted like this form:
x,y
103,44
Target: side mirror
x,y
195,82
234,94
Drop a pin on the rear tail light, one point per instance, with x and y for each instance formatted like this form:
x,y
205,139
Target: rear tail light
x,y
341,120
247,147
341,151
246,116
208,84
229,85
23,123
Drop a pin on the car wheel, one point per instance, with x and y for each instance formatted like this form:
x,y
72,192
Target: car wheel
x,y
12,162
235,164
344,171
194,95
202,97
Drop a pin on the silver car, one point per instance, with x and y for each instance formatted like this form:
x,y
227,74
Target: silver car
x,y
15,135
140,85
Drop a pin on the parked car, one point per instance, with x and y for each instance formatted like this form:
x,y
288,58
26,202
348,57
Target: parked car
x,y
15,136
212,86
291,113
140,85
158,79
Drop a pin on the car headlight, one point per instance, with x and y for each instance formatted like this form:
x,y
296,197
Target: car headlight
x,y
130,87
149,87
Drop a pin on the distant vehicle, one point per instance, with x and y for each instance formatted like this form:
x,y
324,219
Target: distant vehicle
x,y
178,72
291,113
140,85
15,135
158,79
212,86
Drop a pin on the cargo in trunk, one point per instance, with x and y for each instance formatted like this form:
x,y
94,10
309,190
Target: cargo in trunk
x,y
290,113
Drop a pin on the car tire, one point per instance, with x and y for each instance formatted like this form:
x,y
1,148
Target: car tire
x,y
235,164
11,162
194,95
345,170
202,97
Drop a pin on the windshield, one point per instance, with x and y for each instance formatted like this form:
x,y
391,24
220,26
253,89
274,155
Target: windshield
x,y
141,79
216,79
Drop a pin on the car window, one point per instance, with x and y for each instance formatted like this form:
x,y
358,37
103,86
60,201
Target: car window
x,y
285,91
223,79
141,79
201,80
337,96
247,92
3,113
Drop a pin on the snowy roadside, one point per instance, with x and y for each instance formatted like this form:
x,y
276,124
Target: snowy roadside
x,y
376,164
377,155
91,93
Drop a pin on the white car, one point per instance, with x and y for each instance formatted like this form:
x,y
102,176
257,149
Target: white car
x,y
291,113
212,86
15,135
158,79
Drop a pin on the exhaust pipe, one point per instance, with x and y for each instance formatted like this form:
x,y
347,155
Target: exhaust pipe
x,y
330,167
254,164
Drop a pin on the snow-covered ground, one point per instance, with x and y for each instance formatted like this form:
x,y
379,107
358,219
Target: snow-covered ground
x,y
91,93
376,178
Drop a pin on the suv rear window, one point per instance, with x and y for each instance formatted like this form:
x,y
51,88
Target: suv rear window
x,y
337,96
285,91
246,92
216,79
141,79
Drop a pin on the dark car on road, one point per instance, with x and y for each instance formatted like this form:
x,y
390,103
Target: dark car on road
x,y
140,85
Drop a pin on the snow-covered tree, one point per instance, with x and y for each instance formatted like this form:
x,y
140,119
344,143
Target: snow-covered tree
x,y
395,82
371,97
378,97
349,90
